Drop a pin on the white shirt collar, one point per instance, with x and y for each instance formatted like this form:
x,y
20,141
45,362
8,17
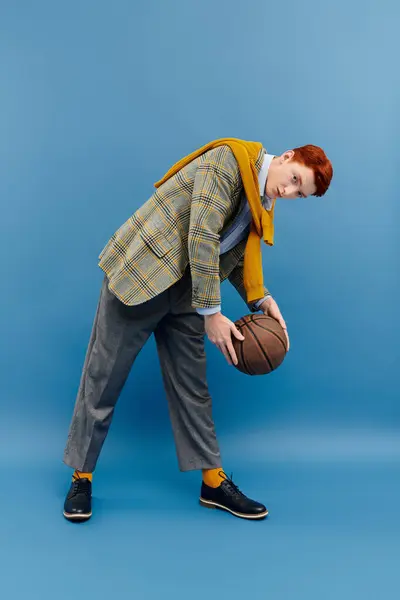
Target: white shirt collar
x,y
262,180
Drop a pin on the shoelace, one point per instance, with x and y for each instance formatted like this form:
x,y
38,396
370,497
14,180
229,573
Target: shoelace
x,y
80,486
231,487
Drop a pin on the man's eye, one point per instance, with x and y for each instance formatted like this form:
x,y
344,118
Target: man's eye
x,y
295,178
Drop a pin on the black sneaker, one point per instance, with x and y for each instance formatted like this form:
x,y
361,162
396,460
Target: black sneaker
x,y
78,503
228,497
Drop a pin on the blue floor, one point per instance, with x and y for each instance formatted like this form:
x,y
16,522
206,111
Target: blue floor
x,y
333,533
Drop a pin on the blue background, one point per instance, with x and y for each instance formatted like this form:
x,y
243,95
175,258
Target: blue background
x,y
97,101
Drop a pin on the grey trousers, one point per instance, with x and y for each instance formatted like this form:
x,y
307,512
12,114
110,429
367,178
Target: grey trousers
x,y
119,333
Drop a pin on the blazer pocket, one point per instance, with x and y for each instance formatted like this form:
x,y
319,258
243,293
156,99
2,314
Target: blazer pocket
x,y
155,240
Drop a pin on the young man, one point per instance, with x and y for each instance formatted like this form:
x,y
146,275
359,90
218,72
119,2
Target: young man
x,y
163,269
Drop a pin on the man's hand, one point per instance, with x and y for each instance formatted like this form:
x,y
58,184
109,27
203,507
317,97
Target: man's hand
x,y
219,330
271,309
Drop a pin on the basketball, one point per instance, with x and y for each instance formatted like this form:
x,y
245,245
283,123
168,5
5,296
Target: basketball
x,y
264,346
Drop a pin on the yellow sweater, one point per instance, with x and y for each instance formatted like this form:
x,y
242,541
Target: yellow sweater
x,y
262,225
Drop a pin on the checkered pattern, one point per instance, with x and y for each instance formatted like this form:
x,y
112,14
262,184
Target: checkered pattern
x,y
180,226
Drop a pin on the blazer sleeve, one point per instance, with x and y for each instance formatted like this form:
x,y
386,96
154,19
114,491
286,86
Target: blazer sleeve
x,y
236,279
216,181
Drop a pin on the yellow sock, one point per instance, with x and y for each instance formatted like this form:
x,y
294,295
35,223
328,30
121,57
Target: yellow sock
x,y
81,475
213,477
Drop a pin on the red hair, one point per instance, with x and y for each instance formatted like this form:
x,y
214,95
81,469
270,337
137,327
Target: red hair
x,y
315,158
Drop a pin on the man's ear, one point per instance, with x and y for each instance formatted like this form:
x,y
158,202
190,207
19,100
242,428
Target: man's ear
x,y
286,156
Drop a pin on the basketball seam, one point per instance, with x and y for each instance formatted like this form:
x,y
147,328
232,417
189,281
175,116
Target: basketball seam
x,y
262,349
272,332
246,366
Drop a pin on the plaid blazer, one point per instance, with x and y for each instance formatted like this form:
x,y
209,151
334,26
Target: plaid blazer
x,y
180,226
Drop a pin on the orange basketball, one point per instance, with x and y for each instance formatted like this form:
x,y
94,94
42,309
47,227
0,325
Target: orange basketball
x,y
264,346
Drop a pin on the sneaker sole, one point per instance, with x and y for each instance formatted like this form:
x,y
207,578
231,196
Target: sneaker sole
x,y
72,517
209,504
